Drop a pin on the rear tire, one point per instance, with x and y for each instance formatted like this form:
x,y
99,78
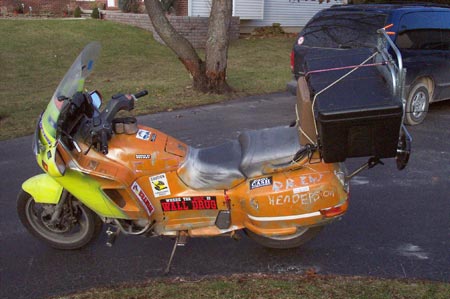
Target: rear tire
x,y
417,104
68,233
302,236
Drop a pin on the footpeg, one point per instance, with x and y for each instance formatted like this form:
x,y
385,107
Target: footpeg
x,y
111,236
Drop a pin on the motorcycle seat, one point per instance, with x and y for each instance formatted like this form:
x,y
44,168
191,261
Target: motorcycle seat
x,y
255,153
266,149
215,167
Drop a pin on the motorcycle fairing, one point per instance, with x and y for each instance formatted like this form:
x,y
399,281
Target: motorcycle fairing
x,y
288,200
43,188
47,190
89,191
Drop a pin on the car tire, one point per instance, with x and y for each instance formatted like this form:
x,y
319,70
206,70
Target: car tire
x,y
417,104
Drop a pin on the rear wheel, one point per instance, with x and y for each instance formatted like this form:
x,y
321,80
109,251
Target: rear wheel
x,y
72,227
297,239
417,104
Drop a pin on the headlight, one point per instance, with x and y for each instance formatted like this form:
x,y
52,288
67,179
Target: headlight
x,y
36,143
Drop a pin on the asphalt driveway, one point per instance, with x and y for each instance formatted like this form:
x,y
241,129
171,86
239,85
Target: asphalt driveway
x,y
397,226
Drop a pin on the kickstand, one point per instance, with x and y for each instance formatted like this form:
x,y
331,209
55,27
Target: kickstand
x,y
179,241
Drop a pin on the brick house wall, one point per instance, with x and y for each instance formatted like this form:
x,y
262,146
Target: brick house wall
x,y
181,7
56,7
195,29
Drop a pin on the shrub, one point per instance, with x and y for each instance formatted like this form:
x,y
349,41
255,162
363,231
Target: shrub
x,y
95,13
18,8
129,5
273,30
168,5
77,12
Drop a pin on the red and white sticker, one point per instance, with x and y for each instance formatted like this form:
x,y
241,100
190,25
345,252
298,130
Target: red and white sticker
x,y
143,198
189,203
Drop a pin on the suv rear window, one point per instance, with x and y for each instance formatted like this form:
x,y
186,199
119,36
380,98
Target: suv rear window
x,y
332,29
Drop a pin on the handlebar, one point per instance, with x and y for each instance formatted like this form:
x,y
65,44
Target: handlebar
x,y
103,126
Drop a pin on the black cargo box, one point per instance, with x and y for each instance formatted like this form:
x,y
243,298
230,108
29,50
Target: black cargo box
x,y
359,116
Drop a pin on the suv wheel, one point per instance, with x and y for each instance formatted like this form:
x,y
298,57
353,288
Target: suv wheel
x,y
417,104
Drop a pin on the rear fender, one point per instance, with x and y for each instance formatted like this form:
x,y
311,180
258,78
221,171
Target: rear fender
x,y
43,188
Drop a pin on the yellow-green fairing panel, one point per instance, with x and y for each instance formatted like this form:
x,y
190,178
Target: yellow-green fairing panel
x,y
48,156
46,189
89,192
43,188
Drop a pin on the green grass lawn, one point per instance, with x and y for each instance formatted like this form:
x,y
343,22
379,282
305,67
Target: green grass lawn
x,y
35,54
276,287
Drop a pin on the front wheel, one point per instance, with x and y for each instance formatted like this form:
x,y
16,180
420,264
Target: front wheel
x,y
297,239
70,226
417,104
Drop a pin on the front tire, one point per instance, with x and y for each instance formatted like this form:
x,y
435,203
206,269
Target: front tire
x,y
417,104
302,236
75,228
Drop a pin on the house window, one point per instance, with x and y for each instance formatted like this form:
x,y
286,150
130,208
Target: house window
x,y
249,10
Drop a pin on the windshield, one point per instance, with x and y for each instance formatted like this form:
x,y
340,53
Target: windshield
x,y
72,82
333,29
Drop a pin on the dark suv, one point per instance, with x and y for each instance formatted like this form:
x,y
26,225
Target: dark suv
x,y
421,31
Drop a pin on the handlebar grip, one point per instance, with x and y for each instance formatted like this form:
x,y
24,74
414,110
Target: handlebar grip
x,y
104,142
141,94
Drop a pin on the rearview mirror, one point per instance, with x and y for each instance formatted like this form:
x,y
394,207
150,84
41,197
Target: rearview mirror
x,y
96,98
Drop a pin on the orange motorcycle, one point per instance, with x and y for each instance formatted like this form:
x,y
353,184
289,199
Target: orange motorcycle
x,y
140,181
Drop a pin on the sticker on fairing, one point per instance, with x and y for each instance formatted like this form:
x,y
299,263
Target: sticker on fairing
x,y
143,134
160,186
301,189
143,198
189,203
143,156
262,182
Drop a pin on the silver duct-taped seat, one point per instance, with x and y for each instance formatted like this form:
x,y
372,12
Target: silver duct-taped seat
x,y
255,153
266,149
215,167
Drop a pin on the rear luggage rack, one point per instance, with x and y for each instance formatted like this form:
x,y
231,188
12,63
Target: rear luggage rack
x,y
364,116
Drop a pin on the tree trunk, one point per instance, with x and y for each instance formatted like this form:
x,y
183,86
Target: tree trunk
x,y
217,45
178,44
209,76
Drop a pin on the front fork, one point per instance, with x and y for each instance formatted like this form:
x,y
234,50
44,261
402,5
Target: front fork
x,y
59,208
